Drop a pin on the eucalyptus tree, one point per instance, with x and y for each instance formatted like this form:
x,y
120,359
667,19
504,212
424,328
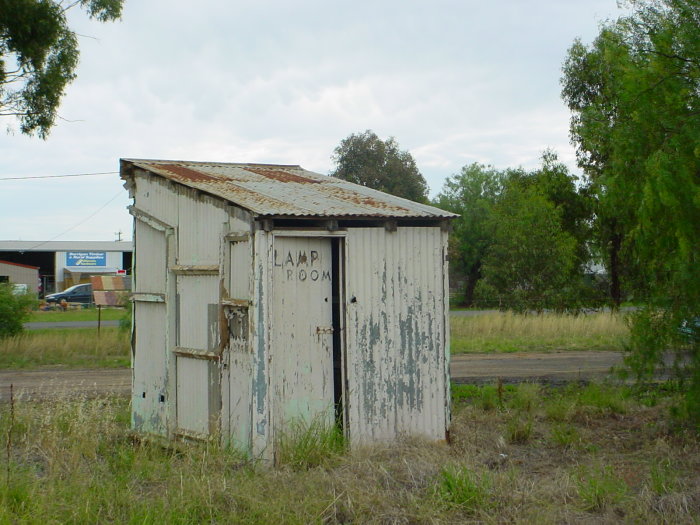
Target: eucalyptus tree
x,y
39,55
364,158
634,93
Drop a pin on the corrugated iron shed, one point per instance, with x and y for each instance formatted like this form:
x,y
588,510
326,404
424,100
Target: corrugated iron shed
x,y
285,191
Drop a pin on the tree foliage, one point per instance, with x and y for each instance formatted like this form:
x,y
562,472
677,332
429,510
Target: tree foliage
x,y
472,194
635,100
531,262
39,55
365,159
14,310
508,220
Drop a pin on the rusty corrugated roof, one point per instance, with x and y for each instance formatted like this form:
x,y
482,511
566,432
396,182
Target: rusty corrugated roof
x,y
287,191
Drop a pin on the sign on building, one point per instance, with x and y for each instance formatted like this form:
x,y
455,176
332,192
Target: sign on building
x,y
86,259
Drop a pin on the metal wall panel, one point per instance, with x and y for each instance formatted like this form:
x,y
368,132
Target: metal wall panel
x,y
395,333
240,220
156,196
301,330
150,259
200,228
240,405
193,395
198,311
150,369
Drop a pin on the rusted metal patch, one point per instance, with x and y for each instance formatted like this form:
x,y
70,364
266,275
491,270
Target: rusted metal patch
x,y
282,176
364,200
186,173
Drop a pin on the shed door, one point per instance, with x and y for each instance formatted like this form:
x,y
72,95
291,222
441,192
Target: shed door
x,y
302,330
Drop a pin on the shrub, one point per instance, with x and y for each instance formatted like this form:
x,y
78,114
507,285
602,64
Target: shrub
x,y
14,310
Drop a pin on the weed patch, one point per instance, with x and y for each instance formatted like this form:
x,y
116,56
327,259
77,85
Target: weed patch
x,y
519,429
458,486
75,461
565,435
598,488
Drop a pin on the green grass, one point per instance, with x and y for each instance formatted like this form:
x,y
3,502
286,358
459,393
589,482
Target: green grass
x,y
75,461
81,314
549,332
69,348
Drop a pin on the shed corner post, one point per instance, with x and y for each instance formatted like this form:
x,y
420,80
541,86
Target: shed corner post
x,y
171,331
262,439
446,325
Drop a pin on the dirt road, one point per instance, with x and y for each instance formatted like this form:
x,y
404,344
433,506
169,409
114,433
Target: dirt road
x,y
547,367
48,383
480,368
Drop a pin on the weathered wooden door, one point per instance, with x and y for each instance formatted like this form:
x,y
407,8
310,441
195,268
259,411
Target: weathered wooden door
x,y
302,330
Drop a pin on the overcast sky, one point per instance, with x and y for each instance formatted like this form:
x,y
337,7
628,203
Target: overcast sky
x,y
274,81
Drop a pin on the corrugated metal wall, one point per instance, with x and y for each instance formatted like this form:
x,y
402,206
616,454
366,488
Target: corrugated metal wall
x,y
396,333
395,324
200,228
150,358
156,196
150,260
150,369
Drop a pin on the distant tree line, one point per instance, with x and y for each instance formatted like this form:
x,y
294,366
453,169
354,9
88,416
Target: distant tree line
x,y
523,238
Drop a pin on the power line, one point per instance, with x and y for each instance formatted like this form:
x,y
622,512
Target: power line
x,y
79,223
60,176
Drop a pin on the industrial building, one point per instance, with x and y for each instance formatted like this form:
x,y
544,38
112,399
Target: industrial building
x,y
269,294
62,264
27,277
